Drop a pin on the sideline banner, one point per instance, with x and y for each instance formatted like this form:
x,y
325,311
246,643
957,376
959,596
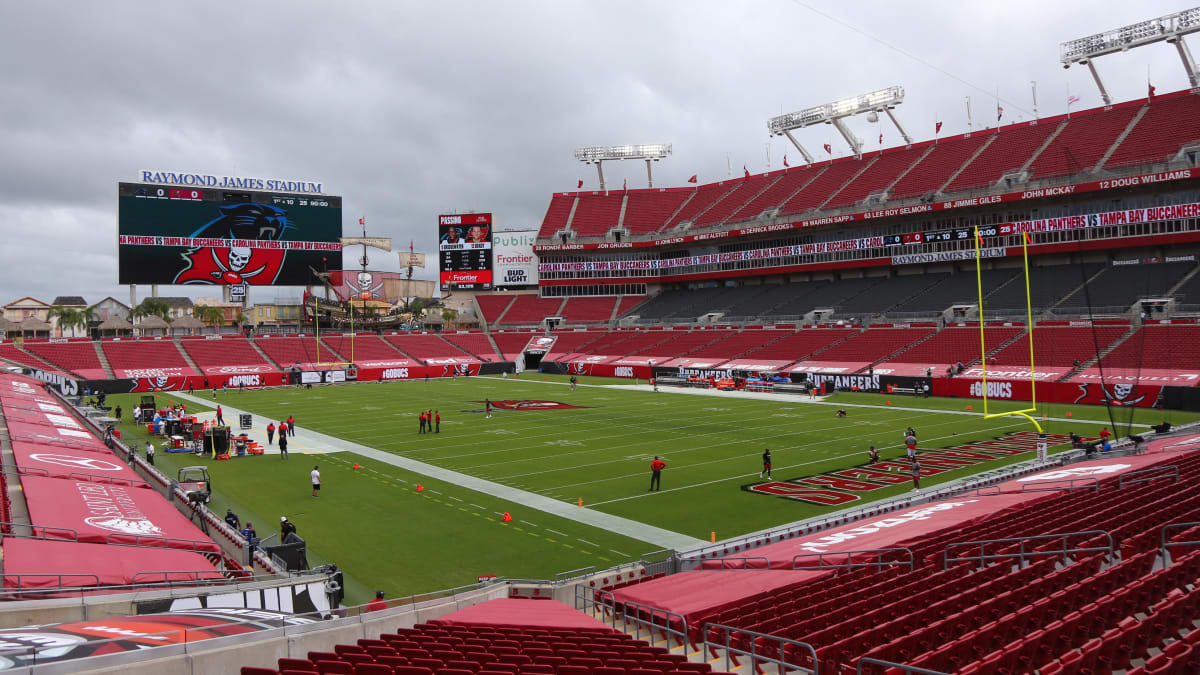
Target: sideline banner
x,y
1083,393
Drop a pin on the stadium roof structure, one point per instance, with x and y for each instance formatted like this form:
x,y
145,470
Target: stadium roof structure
x,y
598,154
70,301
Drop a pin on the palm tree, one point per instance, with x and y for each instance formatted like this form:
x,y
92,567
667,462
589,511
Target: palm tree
x,y
86,316
151,307
210,314
448,316
67,317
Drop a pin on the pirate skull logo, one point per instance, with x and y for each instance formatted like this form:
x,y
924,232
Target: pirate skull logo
x,y
239,257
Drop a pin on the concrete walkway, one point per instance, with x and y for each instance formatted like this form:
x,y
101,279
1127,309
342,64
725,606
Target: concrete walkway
x,y
623,526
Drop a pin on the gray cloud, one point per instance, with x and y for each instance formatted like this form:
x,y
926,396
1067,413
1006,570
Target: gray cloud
x,y
412,109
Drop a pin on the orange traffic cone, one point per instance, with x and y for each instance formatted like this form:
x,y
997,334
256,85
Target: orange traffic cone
x,y
420,488
969,408
507,517
356,466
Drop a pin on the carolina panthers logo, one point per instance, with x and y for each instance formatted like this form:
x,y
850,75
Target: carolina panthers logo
x,y
237,265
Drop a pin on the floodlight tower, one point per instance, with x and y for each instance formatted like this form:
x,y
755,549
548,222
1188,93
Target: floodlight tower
x,y
1170,29
598,154
881,101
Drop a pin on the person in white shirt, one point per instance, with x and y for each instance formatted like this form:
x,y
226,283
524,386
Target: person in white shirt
x,y
316,482
150,453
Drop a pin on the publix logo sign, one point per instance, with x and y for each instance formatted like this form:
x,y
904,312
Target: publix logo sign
x,y
514,238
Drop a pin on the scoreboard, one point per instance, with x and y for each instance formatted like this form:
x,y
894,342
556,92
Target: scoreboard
x,y
465,251
201,235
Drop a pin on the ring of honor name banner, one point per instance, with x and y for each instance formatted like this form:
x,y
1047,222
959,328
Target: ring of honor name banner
x,y
202,235
465,251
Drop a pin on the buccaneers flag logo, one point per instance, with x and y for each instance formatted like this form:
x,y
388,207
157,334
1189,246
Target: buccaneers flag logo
x,y
235,265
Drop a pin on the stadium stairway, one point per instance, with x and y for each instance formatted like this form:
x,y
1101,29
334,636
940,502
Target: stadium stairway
x,y
186,357
963,167
104,360
1133,329
268,359
1077,289
1023,335
1121,138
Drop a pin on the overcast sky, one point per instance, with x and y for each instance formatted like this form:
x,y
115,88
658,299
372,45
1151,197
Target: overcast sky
x,y
411,109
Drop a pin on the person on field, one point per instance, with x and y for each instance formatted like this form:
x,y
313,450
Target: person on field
x,y
291,428
916,474
232,520
766,470
910,444
149,453
1105,434
286,527
220,417
437,422
421,417
315,474
487,404
283,443
873,455
840,413
429,421
656,468
250,535
271,433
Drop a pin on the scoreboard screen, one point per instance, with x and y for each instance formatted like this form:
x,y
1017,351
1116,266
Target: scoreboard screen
x,y
465,251
186,235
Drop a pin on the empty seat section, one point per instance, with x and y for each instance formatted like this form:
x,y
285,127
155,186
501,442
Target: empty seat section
x,y
889,165
1170,347
530,309
476,344
774,196
290,351
556,215
702,198
212,354
682,344
1014,145
815,193
617,342
643,343
961,288
937,167
1119,286
77,357
628,302
953,345
1047,285
14,354
588,309
572,342
366,347
801,298
736,198
802,344
892,292
1060,345
874,344
511,344
145,354
1167,125
1082,143
596,214
425,346
493,306
647,212
736,343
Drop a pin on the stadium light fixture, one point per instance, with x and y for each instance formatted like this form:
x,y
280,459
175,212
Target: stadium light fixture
x,y
1170,29
879,101
598,154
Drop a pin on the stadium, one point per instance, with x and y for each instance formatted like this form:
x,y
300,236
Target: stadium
x,y
929,408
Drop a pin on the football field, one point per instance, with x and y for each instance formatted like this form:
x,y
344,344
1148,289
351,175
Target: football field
x,y
547,447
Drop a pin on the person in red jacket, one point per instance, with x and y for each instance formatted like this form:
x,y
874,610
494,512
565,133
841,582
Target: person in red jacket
x,y
437,422
421,417
377,604
1105,434
220,417
656,468
291,426
271,433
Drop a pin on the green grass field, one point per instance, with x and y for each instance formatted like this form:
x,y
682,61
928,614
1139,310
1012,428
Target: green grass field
x,y
385,534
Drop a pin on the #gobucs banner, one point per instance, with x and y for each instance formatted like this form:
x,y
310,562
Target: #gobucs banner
x,y
1081,393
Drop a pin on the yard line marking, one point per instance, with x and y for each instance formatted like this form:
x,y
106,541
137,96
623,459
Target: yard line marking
x,y
623,555
589,543
453,497
475,505
561,534
529,523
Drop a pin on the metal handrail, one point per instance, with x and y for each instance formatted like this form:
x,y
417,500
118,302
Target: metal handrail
x,y
574,574
112,480
1165,545
44,528
650,623
116,539
1023,553
1167,471
850,564
18,590
1056,485
219,579
745,562
888,665
755,658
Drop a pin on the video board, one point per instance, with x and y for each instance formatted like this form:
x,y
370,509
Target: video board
x,y
465,251
186,235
